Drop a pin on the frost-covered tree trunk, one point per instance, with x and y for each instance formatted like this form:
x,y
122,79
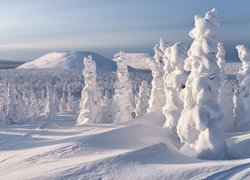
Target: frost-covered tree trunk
x,y
201,126
123,97
142,100
225,91
242,95
90,108
157,97
174,83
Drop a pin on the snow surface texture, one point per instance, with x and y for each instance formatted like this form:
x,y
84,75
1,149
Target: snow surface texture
x,y
200,126
69,59
140,149
135,60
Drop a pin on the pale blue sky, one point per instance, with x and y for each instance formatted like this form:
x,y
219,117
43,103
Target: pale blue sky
x,y
30,28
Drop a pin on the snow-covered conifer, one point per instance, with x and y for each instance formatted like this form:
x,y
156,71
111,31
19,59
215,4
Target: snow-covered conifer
x,y
225,91
90,108
157,97
174,83
33,107
142,100
15,109
50,109
56,100
201,125
123,97
71,104
242,95
244,56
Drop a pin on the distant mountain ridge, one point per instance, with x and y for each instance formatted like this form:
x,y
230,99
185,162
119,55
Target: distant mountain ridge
x,y
69,60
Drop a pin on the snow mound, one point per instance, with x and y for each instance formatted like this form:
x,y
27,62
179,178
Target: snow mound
x,y
69,60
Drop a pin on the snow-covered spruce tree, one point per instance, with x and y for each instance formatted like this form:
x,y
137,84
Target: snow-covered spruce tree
x,y
174,83
33,107
142,100
225,91
242,95
201,126
15,108
71,104
56,100
123,97
244,56
157,96
26,99
50,109
63,104
90,108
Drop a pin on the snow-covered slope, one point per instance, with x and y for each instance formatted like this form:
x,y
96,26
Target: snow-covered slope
x,y
70,59
138,149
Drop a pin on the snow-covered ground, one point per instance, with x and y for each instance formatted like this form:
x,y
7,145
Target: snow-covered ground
x,y
140,149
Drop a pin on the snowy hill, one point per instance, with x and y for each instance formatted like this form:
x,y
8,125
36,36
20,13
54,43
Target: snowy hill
x,y
69,59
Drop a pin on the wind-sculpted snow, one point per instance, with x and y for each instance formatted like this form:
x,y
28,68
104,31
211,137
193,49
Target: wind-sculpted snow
x,y
138,149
